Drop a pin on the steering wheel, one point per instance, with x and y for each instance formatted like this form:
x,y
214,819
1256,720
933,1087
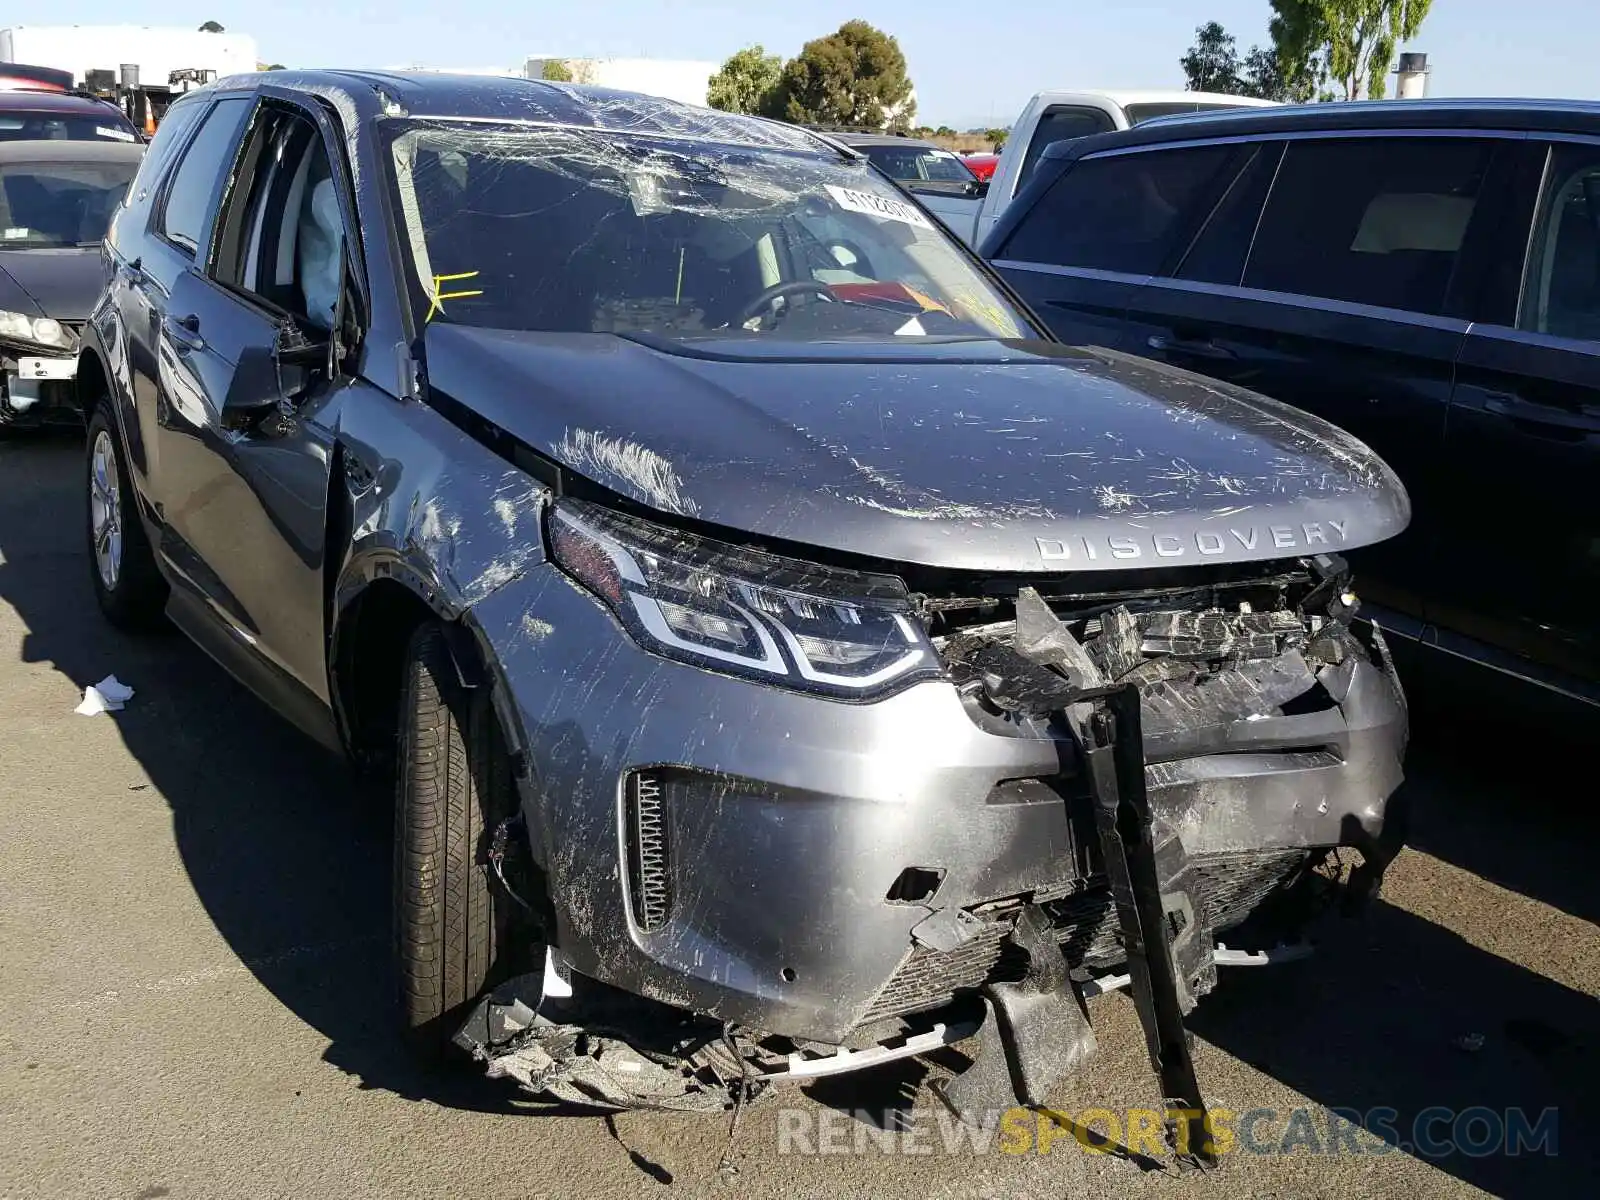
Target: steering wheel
x,y
795,287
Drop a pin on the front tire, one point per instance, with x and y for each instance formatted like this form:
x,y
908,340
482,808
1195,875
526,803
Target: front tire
x,y
452,920
127,582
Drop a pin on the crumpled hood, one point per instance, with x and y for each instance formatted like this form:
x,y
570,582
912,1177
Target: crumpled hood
x,y
63,284
968,455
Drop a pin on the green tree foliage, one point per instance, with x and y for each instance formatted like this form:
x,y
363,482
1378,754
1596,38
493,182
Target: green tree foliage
x,y
1348,44
996,137
748,83
1362,36
1213,64
556,71
855,77
212,27
1299,36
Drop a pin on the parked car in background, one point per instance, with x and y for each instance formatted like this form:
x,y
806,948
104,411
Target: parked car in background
x,y
722,566
1051,117
42,79
937,177
1048,118
1425,274
981,165
32,114
56,202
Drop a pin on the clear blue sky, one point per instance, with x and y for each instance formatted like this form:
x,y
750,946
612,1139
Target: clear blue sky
x,y
974,62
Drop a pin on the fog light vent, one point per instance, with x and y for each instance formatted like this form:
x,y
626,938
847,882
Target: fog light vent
x,y
649,852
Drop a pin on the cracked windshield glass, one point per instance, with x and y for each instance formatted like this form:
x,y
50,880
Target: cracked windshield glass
x,y
574,232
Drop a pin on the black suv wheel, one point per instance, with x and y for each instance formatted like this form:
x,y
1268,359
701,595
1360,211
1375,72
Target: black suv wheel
x,y
122,566
452,919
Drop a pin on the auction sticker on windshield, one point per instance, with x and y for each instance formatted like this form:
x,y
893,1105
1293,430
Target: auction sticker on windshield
x,y
877,206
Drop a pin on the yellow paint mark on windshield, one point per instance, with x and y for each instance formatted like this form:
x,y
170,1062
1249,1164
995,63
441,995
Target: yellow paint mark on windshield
x,y
437,297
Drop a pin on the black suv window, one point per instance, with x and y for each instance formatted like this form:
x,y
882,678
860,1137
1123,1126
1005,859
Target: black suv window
x,y
174,128
198,177
1061,123
1562,294
1219,253
1373,221
1117,213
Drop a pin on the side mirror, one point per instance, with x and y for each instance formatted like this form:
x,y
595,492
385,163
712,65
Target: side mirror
x,y
266,376
254,391
978,188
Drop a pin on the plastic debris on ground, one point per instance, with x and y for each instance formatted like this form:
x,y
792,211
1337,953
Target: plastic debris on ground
x,y
109,695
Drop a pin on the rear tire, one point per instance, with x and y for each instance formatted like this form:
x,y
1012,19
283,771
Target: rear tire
x,y
452,919
122,566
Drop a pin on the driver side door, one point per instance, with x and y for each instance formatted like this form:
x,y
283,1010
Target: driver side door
x,y
247,522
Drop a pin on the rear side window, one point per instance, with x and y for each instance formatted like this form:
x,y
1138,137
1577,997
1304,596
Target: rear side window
x,y
1062,123
1219,253
198,178
1562,294
1118,213
1376,221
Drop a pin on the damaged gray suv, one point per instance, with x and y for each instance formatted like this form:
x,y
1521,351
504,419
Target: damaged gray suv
x,y
786,656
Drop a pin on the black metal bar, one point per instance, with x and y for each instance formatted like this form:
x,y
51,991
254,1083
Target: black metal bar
x,y
1106,724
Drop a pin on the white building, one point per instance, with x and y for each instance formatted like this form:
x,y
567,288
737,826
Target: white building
x,y
157,51
684,80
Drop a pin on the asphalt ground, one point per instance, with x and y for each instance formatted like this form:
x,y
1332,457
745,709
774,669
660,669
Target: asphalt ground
x,y
194,997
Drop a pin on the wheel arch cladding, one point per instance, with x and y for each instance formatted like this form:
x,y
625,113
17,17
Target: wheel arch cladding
x,y
92,383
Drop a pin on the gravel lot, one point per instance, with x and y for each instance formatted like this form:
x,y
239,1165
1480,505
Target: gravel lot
x,y
193,908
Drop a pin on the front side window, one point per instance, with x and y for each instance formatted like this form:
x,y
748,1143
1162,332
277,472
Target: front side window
x,y
283,237
1121,212
198,179
565,230
1561,296
919,164
54,204
1375,221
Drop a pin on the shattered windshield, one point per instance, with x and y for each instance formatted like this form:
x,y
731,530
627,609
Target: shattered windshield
x,y
566,230
55,204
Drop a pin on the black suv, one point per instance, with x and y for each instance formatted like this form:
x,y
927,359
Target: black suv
x,y
1425,274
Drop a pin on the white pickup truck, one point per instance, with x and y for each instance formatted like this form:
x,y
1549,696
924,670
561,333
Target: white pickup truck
x,y
953,194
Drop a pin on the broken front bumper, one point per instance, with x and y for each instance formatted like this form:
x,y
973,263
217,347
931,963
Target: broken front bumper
x,y
35,389
764,857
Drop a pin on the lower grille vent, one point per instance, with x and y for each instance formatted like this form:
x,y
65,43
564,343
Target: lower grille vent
x,y
649,852
1231,886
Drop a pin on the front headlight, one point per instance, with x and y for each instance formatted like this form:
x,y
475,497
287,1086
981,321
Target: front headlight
x,y
744,611
42,331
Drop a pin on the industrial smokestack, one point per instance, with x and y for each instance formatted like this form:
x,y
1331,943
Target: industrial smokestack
x,y
1413,76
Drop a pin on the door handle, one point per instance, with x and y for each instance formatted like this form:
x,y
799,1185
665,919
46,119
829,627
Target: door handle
x,y
1187,347
1516,408
184,332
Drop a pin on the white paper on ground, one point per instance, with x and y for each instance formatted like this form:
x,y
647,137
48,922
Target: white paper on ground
x,y
109,695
